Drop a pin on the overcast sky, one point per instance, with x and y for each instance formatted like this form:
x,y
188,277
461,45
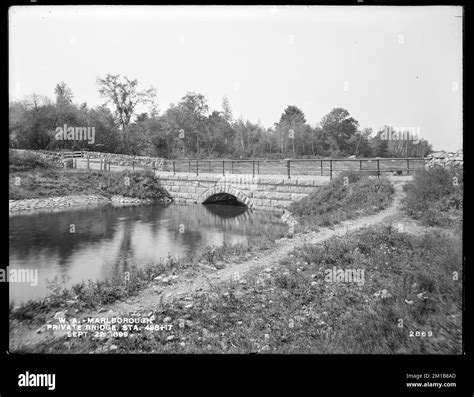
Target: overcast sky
x,y
398,66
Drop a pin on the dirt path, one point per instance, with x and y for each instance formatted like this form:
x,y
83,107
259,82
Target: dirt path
x,y
148,299
282,249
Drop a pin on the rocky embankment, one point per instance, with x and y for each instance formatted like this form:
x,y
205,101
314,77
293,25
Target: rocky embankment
x,y
445,159
76,201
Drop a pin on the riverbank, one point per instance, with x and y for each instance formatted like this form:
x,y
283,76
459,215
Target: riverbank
x,y
54,204
172,278
36,184
278,298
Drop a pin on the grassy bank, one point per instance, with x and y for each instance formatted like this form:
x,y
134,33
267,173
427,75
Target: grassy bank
x,y
407,300
435,197
409,303
31,176
349,195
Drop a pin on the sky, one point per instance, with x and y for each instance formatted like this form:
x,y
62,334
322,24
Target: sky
x,y
399,66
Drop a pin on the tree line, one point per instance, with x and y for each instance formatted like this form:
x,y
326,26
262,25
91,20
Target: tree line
x,y
190,129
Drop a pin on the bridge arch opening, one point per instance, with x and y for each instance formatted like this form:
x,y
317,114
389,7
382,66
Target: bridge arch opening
x,y
225,199
225,194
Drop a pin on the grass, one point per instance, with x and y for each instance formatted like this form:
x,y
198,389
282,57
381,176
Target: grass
x,y
39,179
347,196
435,196
293,309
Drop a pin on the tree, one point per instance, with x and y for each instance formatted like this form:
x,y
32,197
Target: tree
x,y
187,124
107,133
363,148
64,95
32,122
290,126
124,95
379,145
226,110
67,113
339,126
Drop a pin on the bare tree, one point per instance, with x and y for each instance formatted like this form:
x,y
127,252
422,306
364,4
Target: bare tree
x,y
125,95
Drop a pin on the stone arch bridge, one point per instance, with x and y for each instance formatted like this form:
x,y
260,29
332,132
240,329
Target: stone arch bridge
x,y
260,192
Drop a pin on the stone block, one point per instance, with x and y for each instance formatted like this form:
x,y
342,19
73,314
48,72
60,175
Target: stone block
x,y
297,196
279,196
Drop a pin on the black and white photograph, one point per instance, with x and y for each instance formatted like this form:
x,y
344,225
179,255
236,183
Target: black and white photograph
x,y
220,180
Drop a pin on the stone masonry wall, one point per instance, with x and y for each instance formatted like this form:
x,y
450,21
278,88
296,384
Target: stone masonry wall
x,y
113,158
267,193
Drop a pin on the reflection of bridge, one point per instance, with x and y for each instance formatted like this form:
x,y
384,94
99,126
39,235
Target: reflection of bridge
x,y
238,218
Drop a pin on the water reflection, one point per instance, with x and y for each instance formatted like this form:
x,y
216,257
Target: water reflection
x,y
108,239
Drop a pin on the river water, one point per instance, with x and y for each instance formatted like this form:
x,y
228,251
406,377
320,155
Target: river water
x,y
100,242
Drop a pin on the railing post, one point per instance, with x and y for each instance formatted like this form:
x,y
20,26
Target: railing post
x,y
153,166
288,166
197,167
408,167
75,164
253,168
360,165
223,167
330,169
88,165
174,167
232,166
101,164
210,172
258,167
133,165
189,166
109,165
378,168
321,167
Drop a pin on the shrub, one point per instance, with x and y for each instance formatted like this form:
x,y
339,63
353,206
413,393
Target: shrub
x,y
25,161
433,196
142,185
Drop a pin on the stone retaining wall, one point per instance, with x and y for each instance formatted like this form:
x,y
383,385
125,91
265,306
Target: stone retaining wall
x,y
113,158
127,160
49,156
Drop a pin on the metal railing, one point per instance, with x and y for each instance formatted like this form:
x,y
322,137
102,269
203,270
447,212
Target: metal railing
x,y
288,167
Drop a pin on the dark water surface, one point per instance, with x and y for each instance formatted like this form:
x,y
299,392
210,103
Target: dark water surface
x,y
108,239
